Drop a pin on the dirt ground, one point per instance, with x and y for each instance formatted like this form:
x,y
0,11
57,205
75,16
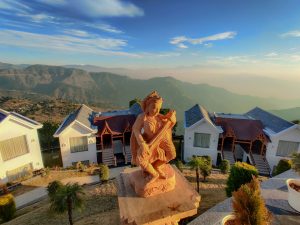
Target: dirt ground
x,y
39,181
101,207
102,202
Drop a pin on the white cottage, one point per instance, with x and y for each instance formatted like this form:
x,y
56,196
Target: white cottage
x,y
101,137
19,146
257,137
201,134
77,137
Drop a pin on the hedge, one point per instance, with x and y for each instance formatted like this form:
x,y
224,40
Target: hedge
x,y
7,207
240,173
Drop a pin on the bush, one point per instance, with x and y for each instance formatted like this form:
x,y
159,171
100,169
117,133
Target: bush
x,y
282,166
80,166
296,162
7,207
104,172
248,206
240,173
53,187
205,167
224,166
179,165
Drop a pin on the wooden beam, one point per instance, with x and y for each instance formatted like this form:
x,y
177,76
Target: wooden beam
x,y
222,144
245,142
262,148
251,147
232,146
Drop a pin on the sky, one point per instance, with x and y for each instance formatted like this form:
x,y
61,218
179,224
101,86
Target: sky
x,y
192,39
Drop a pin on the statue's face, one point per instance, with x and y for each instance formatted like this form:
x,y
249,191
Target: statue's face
x,y
154,108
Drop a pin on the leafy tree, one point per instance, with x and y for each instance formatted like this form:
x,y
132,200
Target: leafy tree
x,y
282,166
133,101
7,207
53,187
104,172
66,198
240,173
224,166
296,162
47,140
248,205
200,165
195,164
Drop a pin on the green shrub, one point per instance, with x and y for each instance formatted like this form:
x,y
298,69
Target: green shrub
x,y
248,206
240,173
224,166
296,162
53,187
205,167
104,172
179,165
282,166
7,207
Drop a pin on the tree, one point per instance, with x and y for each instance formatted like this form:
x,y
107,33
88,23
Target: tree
x,y
47,140
195,164
200,165
133,101
66,198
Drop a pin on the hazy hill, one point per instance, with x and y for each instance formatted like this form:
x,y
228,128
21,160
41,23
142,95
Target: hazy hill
x,y
289,114
106,89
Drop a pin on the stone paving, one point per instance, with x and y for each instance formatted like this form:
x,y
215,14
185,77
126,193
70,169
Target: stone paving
x,y
275,193
37,194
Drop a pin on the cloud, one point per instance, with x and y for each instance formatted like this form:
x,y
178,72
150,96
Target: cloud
x,y
106,27
181,41
271,54
66,43
78,33
294,33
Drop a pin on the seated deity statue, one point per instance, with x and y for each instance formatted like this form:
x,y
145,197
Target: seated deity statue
x,y
151,139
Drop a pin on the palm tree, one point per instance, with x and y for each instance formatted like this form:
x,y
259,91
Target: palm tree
x,y
195,164
66,198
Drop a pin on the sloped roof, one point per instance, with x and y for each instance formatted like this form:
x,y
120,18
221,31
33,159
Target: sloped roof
x,y
195,114
4,114
269,120
116,124
244,129
83,114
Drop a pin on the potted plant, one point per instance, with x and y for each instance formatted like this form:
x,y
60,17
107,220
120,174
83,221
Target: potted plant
x,y
248,206
294,184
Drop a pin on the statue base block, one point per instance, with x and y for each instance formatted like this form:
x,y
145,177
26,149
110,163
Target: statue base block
x,y
144,189
165,208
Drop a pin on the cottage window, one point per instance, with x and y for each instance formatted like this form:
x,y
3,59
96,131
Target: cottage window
x,y
13,147
286,148
201,140
78,144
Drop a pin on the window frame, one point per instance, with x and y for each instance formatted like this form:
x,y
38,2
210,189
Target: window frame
x,y
194,140
289,155
18,155
76,151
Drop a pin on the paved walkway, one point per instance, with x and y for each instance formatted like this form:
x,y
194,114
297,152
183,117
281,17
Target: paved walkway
x,y
41,192
274,191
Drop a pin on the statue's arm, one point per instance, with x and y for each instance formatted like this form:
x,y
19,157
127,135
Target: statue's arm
x,y
137,127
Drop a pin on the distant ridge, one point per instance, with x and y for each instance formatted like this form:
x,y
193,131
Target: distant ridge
x,y
102,88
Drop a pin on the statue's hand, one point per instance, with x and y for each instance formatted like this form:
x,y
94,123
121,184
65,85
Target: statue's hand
x,y
173,116
145,149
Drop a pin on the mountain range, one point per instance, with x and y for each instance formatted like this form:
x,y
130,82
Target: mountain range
x,y
115,91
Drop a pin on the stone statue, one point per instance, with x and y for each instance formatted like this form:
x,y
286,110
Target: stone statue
x,y
151,139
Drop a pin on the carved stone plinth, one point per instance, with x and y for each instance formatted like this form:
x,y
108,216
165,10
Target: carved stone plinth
x,y
162,209
142,189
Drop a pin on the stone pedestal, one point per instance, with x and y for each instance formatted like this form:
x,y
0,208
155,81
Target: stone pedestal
x,y
143,189
164,208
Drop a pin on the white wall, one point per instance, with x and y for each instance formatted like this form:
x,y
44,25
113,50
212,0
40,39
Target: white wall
x,y
190,150
77,130
10,129
292,135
